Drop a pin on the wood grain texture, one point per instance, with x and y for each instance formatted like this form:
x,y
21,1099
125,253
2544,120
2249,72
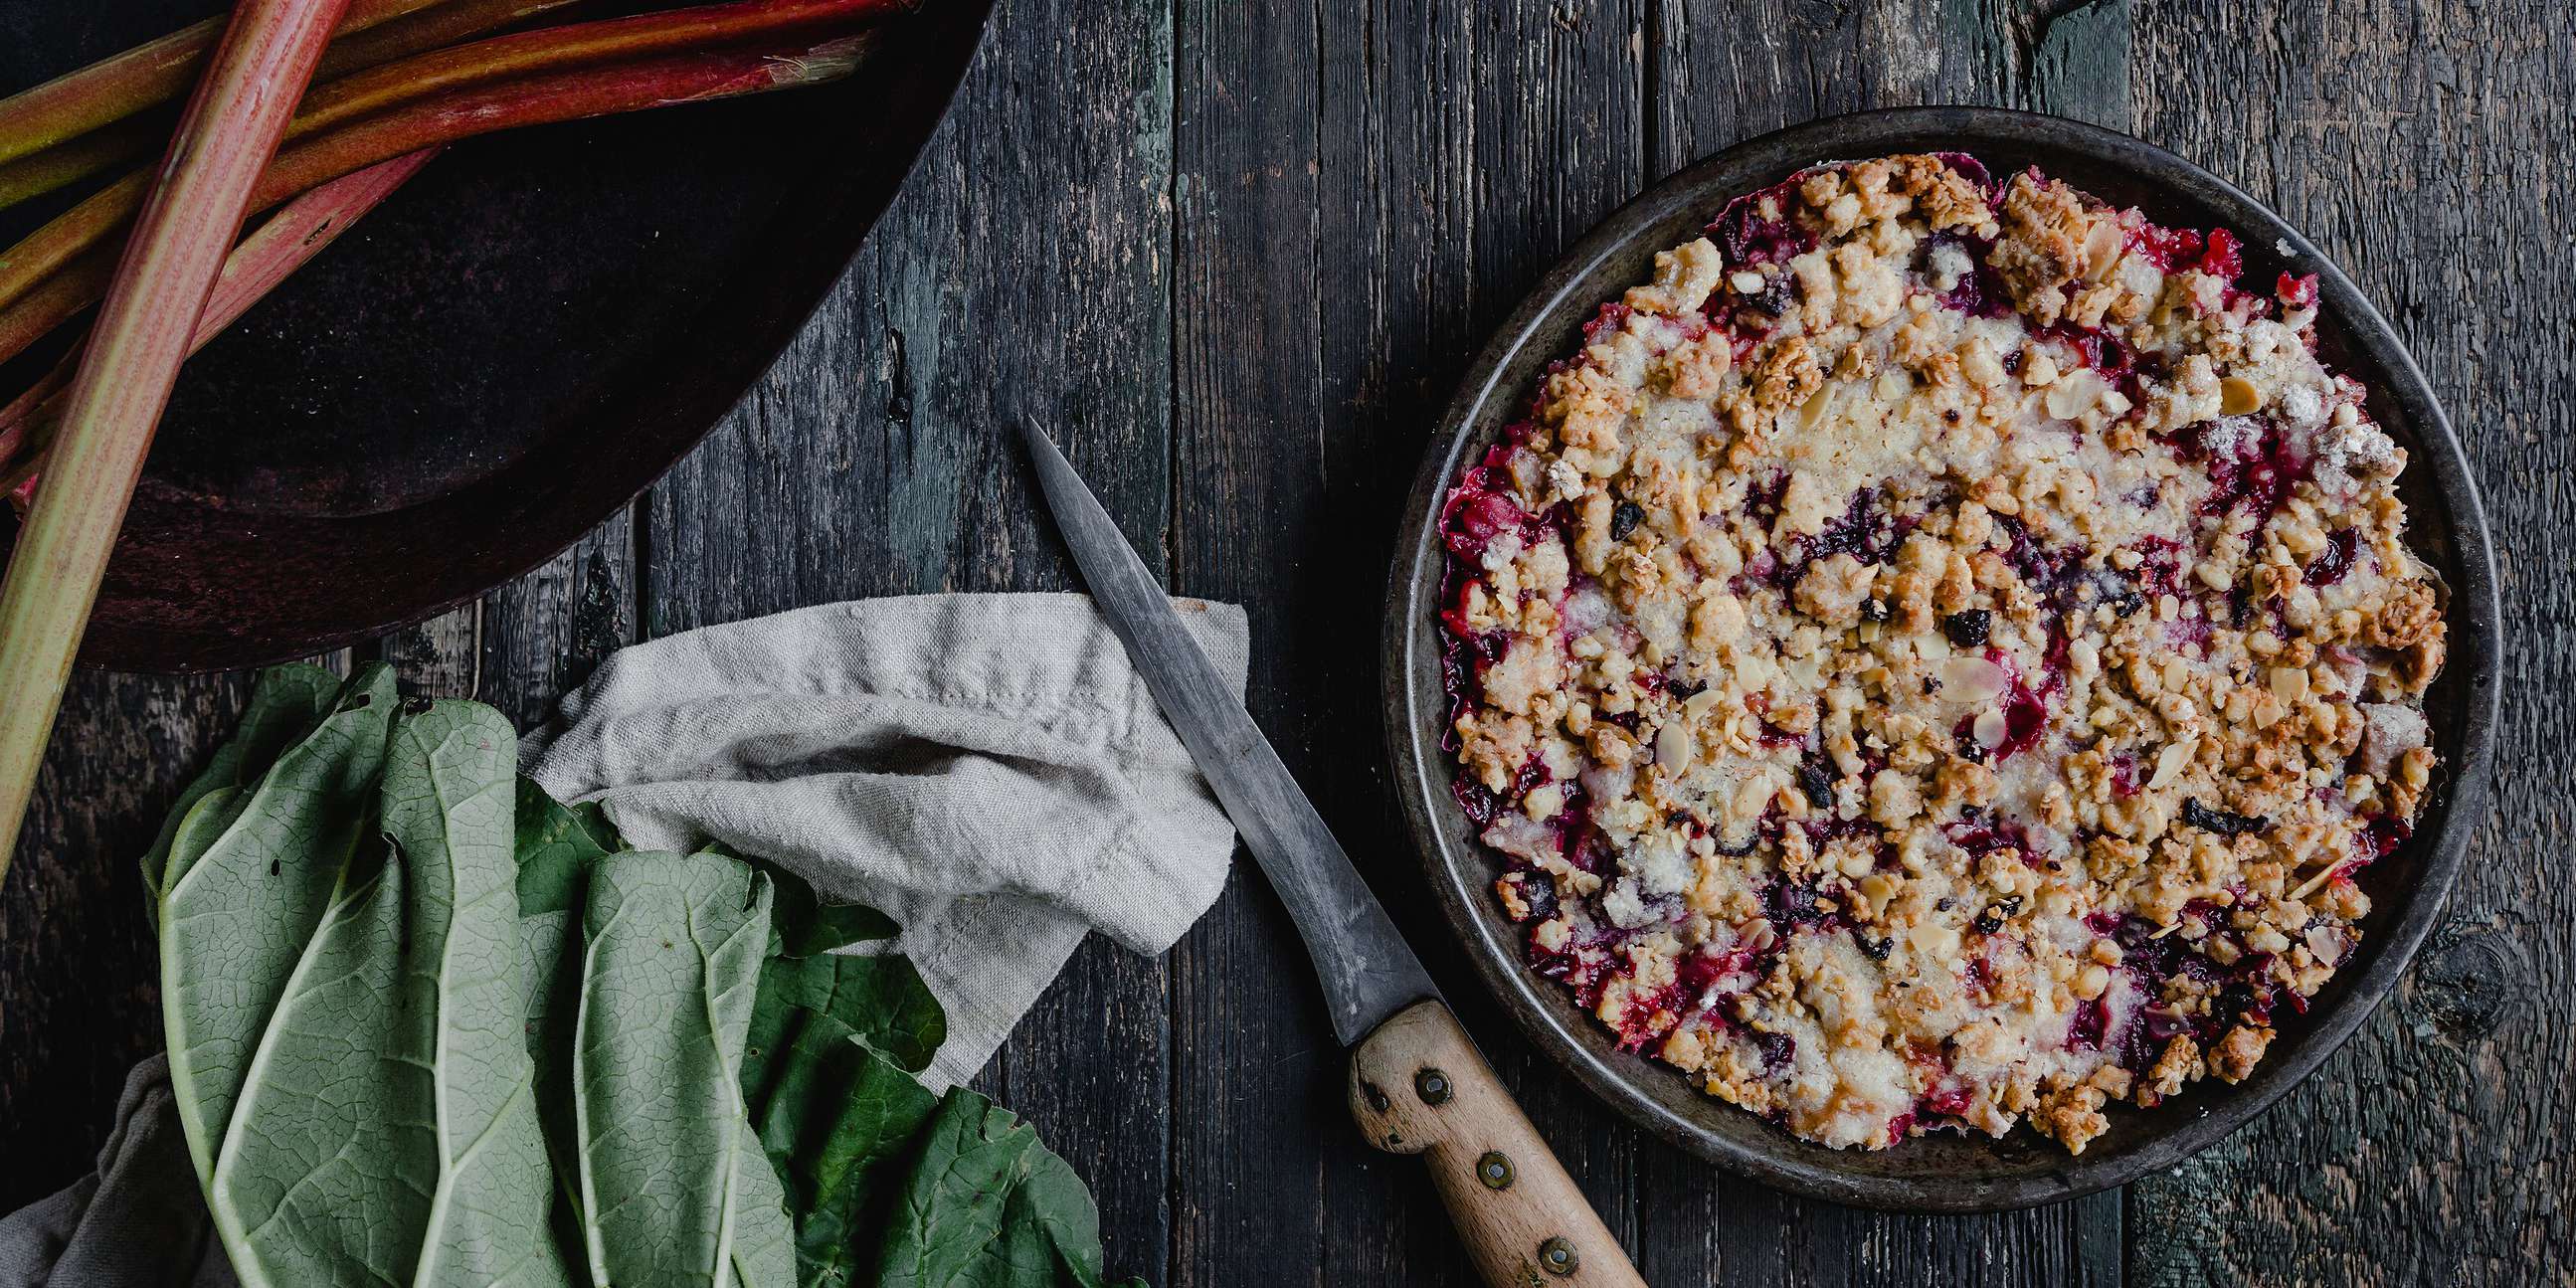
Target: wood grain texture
x,y
1236,257
1024,271
2424,148
1418,1087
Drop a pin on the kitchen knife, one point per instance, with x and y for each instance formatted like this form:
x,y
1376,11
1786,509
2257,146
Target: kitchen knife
x,y
1417,1084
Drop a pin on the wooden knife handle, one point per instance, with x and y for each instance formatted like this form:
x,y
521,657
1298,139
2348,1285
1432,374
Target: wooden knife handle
x,y
1419,1087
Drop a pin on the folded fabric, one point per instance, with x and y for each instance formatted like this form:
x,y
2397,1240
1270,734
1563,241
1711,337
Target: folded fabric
x,y
989,770
137,1222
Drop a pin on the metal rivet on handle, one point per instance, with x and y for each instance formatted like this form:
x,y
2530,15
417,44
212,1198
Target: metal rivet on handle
x,y
1558,1257
1432,1085
1494,1170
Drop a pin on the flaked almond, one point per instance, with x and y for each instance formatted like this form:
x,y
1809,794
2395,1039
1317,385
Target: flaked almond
x,y
1759,936
1698,705
1812,413
1673,748
1971,680
2175,758
2290,683
2102,249
1990,728
2237,396
1877,888
2074,394
1746,282
1935,941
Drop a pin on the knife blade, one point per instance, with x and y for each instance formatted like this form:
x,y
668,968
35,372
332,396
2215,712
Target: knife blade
x,y
1368,972
1417,1083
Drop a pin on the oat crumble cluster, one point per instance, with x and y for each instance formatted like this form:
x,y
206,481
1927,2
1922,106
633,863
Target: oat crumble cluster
x,y
1939,655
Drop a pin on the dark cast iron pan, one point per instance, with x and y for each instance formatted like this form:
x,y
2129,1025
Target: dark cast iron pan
x,y
512,347
1948,1171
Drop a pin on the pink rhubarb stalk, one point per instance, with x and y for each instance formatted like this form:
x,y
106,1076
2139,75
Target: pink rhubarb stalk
x,y
587,61
355,50
676,31
147,75
265,259
185,229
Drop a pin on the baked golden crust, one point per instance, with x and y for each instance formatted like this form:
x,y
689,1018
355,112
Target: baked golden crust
x,y
1938,656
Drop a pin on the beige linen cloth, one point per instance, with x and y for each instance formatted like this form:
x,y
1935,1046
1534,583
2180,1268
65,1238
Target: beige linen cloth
x,y
989,770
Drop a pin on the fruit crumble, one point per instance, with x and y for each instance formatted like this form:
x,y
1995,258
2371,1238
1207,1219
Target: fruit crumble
x,y
1939,655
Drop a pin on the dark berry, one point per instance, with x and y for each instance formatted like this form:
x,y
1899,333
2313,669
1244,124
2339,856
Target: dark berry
x,y
1968,628
1875,947
1625,519
1873,610
2221,821
1817,782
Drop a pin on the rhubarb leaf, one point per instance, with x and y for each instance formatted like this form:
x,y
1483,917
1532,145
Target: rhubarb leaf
x,y
807,926
882,1001
286,704
238,911
675,1189
836,1119
988,1206
383,1127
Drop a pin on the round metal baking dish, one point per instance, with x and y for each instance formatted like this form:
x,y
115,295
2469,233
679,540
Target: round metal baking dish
x,y
1947,1171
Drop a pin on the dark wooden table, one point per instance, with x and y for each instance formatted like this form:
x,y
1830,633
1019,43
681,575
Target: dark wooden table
x,y
1238,258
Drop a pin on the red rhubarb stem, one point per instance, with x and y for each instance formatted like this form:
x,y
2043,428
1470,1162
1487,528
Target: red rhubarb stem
x,y
123,84
300,230
181,237
580,91
676,31
438,27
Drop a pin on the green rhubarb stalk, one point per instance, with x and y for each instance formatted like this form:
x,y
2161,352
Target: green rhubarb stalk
x,y
181,237
300,230
495,74
145,76
110,145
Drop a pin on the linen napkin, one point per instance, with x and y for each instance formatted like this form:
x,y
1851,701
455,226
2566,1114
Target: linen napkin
x,y
988,770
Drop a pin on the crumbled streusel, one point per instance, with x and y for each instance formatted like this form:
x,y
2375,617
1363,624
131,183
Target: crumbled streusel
x,y
1939,655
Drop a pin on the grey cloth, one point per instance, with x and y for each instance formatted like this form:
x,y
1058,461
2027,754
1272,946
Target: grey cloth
x,y
139,1221
989,770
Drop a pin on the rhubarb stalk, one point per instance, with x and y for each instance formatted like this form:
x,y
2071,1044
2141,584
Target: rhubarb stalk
x,y
40,286
289,240
144,76
354,50
227,135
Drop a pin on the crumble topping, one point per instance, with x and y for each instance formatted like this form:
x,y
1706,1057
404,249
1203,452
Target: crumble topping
x,y
1939,656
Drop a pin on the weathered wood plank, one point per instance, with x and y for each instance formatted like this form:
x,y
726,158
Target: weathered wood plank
x,y
79,997
2422,148
438,658
1364,191
1024,271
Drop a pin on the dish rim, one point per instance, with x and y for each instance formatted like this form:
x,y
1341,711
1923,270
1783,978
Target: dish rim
x,y
1926,1174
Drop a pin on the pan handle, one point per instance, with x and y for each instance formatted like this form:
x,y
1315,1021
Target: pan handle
x,y
1419,1087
